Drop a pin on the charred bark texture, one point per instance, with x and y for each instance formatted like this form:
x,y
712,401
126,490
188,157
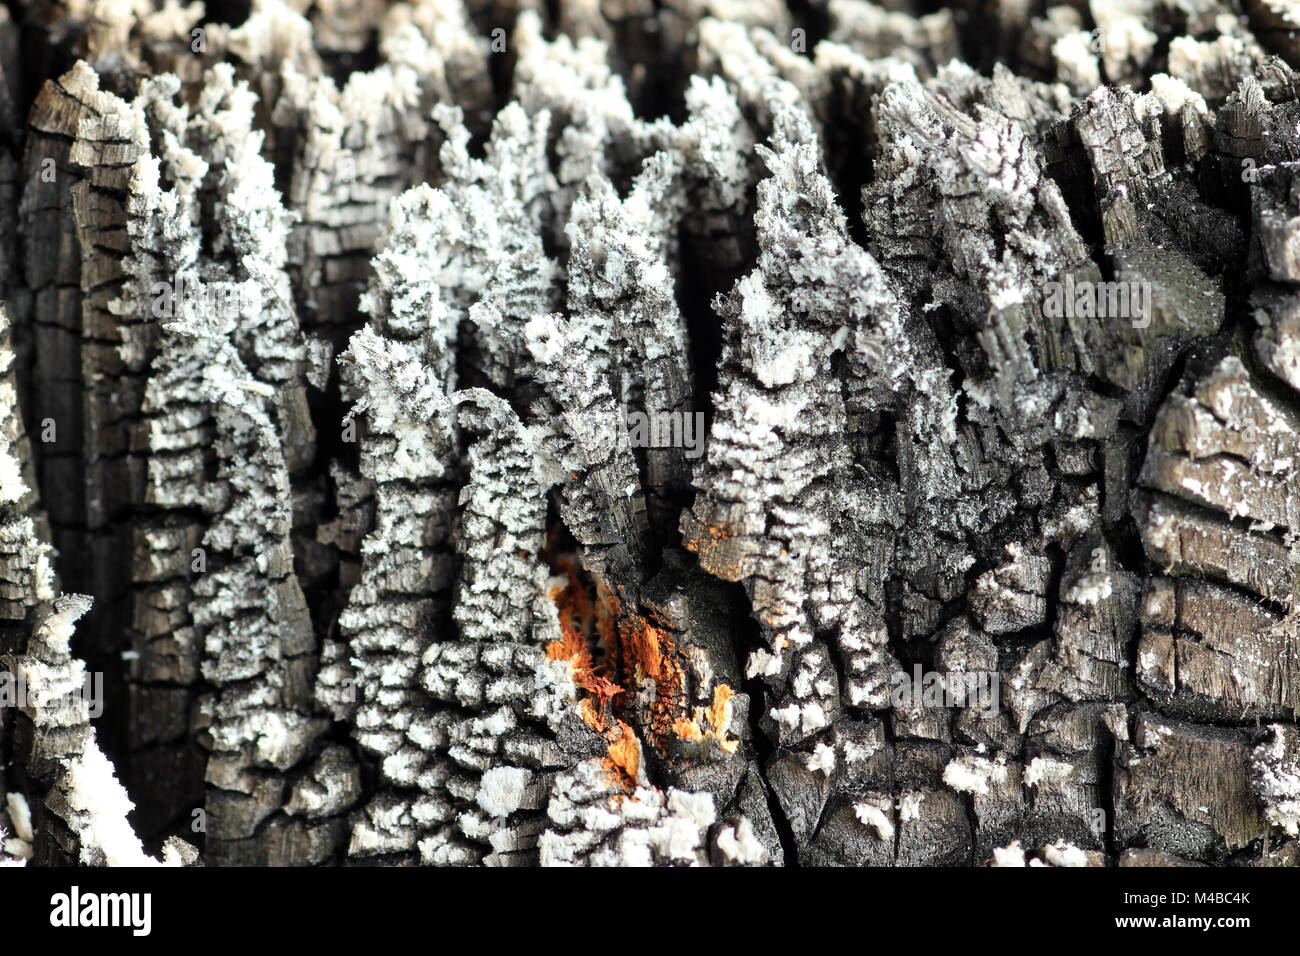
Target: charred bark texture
x,y
456,433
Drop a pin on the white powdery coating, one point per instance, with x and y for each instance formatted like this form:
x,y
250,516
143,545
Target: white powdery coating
x,y
1189,56
271,32
1090,589
11,478
596,824
1061,853
855,753
1174,94
717,139
404,400
544,338
172,22
470,249
19,530
1123,35
1046,770
678,837
20,815
874,816
97,804
1009,856
909,806
822,759
738,845
93,789
763,662
789,355
1277,778
14,851
553,684
972,774
501,790
572,79
808,718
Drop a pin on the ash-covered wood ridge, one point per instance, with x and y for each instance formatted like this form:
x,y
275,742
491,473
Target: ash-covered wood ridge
x,y
473,432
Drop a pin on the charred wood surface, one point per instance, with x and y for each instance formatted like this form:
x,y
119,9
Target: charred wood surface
x,y
458,433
